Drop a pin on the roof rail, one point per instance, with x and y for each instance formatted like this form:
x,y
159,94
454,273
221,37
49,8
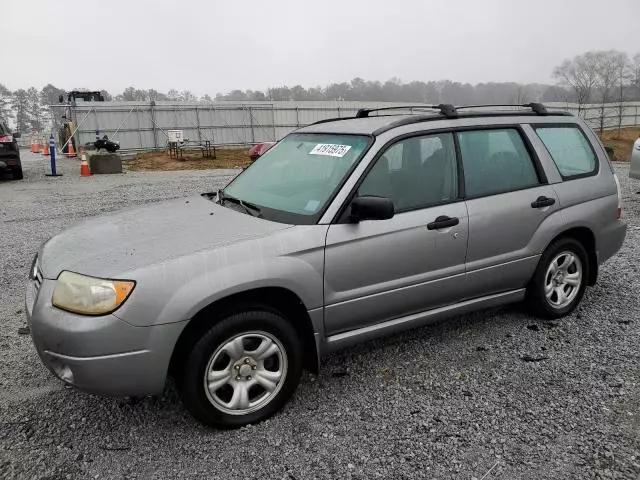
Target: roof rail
x,y
327,120
445,109
537,108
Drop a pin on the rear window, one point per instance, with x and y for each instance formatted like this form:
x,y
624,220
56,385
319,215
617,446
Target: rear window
x,y
495,161
569,149
3,129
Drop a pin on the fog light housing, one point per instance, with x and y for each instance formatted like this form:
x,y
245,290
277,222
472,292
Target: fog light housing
x,y
62,370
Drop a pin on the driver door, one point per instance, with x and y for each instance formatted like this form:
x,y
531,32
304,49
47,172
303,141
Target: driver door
x,y
378,270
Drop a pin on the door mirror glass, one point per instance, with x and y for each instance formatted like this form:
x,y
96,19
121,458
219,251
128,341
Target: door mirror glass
x,y
371,208
17,135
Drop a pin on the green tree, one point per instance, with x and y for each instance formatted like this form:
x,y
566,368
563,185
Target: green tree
x,y
6,107
20,105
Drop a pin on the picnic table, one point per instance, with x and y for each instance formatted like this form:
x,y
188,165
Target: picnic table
x,y
176,149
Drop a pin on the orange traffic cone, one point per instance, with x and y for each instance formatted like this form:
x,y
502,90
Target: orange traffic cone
x,y
84,168
71,152
45,149
35,147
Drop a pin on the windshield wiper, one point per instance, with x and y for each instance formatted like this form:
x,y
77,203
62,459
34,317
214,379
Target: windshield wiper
x,y
250,208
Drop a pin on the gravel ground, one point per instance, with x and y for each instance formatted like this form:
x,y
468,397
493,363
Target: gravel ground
x,y
453,400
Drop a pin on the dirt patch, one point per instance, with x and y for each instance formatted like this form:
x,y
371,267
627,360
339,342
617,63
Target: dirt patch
x,y
621,142
225,158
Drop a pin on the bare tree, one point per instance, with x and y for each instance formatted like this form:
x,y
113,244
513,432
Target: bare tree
x,y
187,96
610,68
581,75
635,70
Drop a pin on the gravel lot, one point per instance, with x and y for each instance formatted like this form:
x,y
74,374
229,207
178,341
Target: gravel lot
x,y
453,400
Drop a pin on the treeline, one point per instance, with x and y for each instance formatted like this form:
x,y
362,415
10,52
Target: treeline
x,y
593,77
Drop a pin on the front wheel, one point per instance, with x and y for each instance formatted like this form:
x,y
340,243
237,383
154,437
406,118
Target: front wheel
x,y
560,279
242,370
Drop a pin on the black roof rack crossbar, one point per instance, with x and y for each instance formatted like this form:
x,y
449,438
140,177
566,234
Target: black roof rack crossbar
x,y
444,108
537,108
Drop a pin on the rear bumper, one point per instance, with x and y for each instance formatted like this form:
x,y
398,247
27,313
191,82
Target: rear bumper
x,y
102,355
611,240
9,159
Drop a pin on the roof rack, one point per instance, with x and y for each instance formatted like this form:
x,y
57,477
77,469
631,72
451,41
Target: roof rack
x,y
445,109
449,111
537,108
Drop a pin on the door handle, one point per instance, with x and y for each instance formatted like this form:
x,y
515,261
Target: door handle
x,y
542,202
443,222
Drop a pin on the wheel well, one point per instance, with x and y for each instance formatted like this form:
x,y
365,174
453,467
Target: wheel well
x,y
587,239
278,299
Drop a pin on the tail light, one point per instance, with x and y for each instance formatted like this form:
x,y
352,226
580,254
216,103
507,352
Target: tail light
x,y
6,139
619,209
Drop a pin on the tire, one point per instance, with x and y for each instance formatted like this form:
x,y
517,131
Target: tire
x,y
545,290
17,173
227,357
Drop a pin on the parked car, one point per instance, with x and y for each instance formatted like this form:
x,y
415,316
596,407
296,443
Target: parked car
x,y
105,144
10,152
259,149
634,169
344,231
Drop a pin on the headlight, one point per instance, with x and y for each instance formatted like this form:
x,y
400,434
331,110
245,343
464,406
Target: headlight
x,y
89,295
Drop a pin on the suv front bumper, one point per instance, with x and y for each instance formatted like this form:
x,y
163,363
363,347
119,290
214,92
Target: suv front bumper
x,y
104,354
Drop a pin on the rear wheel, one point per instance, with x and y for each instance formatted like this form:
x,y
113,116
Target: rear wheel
x,y
242,370
560,279
17,173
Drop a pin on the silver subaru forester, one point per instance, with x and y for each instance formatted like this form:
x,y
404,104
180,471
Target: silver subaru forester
x,y
346,230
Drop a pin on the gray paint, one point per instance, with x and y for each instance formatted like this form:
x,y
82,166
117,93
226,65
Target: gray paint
x,y
634,169
357,281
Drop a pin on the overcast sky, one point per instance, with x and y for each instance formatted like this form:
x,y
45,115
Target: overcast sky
x,y
210,46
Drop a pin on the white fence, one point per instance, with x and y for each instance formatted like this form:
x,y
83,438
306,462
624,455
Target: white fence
x,y
143,126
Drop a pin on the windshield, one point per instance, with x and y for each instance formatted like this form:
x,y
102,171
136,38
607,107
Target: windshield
x,y
293,180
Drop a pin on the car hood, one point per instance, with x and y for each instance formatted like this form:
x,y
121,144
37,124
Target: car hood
x,y
109,245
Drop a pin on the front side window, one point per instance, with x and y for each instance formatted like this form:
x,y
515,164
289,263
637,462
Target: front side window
x,y
415,173
495,161
569,149
295,178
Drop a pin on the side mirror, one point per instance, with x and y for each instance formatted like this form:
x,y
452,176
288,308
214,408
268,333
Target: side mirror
x,y
371,208
17,135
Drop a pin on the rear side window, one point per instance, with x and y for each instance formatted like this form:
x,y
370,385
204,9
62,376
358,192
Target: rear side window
x,y
495,161
3,130
569,149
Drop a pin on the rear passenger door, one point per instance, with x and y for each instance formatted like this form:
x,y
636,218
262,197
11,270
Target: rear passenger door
x,y
507,199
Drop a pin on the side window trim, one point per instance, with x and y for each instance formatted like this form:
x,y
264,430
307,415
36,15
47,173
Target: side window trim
x,y
577,126
342,214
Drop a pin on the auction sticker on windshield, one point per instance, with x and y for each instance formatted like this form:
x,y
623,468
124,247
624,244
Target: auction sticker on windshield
x,y
330,149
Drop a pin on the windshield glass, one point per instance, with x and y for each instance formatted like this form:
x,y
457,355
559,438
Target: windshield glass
x,y
294,179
